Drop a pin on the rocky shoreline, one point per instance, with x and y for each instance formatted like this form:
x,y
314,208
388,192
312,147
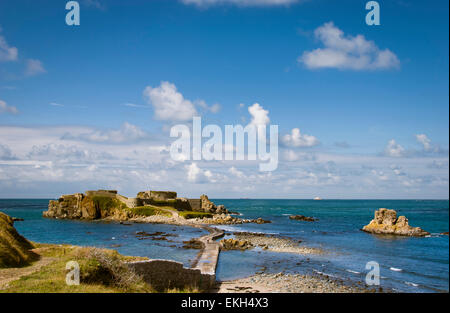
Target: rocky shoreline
x,y
291,283
275,243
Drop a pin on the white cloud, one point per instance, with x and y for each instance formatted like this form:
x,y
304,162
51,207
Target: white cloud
x,y
7,53
244,3
425,141
5,108
59,152
296,139
196,175
234,171
133,105
380,175
127,133
34,67
169,104
6,153
260,116
347,52
293,156
393,149
213,108
55,104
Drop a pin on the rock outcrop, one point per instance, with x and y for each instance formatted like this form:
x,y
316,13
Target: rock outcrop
x,y
208,206
109,204
89,206
15,250
302,218
386,222
234,244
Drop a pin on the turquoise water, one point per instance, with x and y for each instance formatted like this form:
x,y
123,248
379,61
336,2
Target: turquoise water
x,y
406,264
424,262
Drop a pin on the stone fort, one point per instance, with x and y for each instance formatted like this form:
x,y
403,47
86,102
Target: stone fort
x,y
162,198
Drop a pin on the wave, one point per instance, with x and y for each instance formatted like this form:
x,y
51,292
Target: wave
x,y
352,271
396,269
411,284
326,274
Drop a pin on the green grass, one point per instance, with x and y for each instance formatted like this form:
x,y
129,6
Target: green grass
x,y
149,211
101,271
107,203
193,214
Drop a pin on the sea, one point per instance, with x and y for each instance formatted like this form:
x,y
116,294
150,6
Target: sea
x,y
406,264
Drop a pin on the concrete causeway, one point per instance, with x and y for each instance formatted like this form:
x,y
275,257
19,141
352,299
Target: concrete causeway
x,y
207,260
164,274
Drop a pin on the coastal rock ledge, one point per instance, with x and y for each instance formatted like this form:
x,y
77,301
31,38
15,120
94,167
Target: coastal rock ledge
x,y
386,222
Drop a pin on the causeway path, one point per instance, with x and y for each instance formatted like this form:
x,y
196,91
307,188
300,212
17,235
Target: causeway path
x,y
208,256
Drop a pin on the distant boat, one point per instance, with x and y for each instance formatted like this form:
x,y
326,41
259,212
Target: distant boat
x,y
317,198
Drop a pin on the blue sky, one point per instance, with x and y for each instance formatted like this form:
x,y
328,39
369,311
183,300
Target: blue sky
x,y
63,83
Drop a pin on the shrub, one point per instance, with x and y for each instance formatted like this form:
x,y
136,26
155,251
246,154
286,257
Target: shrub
x,y
105,267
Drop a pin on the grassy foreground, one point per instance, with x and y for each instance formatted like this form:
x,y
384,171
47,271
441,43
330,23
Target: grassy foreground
x,y
27,267
101,271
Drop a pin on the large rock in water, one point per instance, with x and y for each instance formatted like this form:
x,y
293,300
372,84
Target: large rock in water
x,y
302,218
386,222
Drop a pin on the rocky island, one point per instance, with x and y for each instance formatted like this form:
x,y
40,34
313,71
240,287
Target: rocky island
x,y
386,222
102,204
147,207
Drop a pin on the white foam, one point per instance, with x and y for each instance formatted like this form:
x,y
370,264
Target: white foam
x,y
396,269
326,274
411,284
354,272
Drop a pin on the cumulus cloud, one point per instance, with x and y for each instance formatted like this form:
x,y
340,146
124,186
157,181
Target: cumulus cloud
x,y
169,104
6,153
347,52
244,3
196,175
425,141
393,149
34,67
296,139
260,117
127,133
7,52
5,108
